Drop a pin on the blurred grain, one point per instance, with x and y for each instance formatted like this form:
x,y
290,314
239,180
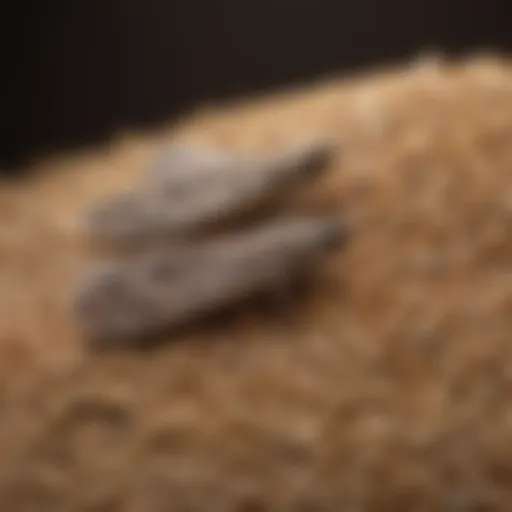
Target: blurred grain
x,y
388,388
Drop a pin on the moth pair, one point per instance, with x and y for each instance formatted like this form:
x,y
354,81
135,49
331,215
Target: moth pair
x,y
183,248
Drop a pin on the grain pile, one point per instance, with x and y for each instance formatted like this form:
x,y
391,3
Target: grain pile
x,y
387,388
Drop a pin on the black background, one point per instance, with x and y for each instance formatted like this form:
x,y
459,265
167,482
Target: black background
x,y
78,70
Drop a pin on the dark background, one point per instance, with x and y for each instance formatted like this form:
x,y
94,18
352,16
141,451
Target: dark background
x,y
78,70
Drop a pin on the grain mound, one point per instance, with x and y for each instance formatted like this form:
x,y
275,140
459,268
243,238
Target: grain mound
x,y
388,388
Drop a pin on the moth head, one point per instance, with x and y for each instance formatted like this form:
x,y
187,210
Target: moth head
x,y
331,234
313,158
299,164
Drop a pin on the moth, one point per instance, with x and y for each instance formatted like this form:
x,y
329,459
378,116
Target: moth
x,y
191,189
132,298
